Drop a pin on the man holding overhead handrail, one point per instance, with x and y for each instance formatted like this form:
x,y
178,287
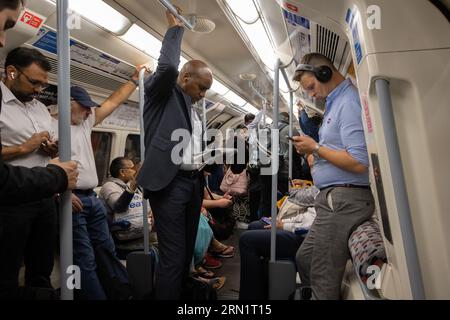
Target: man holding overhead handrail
x,y
340,171
90,227
174,188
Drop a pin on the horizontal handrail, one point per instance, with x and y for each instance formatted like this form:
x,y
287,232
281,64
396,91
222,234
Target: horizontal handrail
x,y
174,11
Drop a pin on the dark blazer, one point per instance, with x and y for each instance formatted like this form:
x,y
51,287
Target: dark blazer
x,y
166,109
20,184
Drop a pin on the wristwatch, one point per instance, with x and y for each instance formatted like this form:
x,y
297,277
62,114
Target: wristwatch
x,y
316,150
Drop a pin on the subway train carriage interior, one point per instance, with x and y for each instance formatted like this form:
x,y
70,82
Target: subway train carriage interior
x,y
225,150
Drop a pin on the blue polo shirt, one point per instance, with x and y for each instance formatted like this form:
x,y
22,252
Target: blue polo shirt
x,y
342,129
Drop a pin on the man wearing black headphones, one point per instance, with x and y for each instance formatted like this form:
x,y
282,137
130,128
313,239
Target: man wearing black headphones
x,y
340,171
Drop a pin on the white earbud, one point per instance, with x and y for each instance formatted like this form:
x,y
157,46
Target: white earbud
x,y
13,75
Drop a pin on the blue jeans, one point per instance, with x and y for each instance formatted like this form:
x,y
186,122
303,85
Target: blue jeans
x,y
90,229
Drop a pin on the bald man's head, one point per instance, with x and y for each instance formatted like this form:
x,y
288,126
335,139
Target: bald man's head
x,y
195,78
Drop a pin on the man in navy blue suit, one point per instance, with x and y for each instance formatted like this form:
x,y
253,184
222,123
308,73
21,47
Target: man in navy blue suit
x,y
172,183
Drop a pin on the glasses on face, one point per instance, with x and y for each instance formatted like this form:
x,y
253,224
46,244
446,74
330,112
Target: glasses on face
x,y
34,83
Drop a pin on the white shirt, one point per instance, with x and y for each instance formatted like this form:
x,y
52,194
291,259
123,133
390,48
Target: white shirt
x,y
196,140
83,153
19,121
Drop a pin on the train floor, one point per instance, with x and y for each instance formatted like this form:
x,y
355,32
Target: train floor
x,y
230,270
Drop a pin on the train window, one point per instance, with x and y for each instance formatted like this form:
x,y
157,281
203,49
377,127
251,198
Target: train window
x,y
101,144
133,147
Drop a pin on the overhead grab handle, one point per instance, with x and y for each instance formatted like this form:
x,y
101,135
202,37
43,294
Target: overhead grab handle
x,y
189,24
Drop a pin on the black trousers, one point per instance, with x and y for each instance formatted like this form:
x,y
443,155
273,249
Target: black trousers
x,y
254,194
254,246
266,195
176,210
27,233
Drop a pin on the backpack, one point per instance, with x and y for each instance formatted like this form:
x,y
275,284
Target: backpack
x,y
112,274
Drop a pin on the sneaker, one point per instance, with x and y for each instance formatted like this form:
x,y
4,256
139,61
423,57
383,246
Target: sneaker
x,y
241,225
211,262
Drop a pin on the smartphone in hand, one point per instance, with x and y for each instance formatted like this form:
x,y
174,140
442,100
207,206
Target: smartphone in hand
x,y
290,138
265,220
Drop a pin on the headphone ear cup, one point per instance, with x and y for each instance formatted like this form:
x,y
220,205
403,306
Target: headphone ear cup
x,y
323,74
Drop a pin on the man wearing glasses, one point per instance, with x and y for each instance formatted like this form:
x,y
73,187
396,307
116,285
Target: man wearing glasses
x,y
27,139
27,135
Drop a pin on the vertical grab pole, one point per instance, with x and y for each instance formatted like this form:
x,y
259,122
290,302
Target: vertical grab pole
x,y
144,201
264,111
205,136
291,132
281,273
204,119
401,196
274,161
66,243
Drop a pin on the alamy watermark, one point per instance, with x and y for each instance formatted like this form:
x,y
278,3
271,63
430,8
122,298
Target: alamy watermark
x,y
262,149
73,20
373,17
74,278
374,280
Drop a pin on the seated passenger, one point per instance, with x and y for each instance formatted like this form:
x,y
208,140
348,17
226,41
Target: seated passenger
x,y
123,201
204,240
294,219
235,180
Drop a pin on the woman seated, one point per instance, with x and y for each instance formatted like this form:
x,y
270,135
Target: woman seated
x,y
207,247
123,201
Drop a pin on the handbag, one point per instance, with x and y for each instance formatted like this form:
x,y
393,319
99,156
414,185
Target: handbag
x,y
234,184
